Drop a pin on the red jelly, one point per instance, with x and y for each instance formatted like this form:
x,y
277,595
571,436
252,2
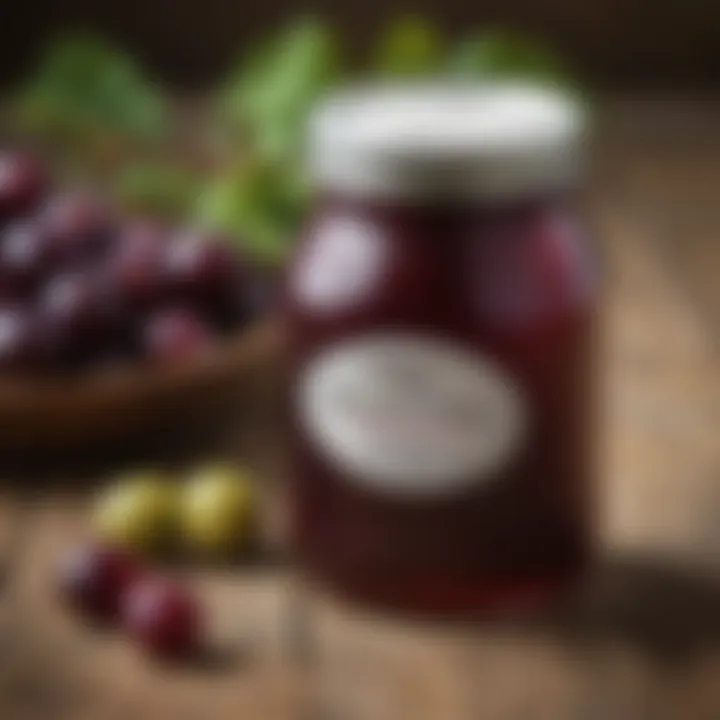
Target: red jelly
x,y
440,312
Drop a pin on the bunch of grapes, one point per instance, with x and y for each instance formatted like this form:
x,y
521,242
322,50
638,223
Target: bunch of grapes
x,y
82,288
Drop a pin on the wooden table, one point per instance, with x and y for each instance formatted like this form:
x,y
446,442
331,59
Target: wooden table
x,y
642,641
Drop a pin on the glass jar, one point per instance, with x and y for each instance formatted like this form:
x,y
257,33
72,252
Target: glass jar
x,y
440,313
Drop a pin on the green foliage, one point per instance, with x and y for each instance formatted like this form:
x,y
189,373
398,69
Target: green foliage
x,y
410,47
267,103
258,203
85,90
166,190
273,90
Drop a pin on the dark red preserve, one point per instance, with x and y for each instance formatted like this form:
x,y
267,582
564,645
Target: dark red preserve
x,y
440,312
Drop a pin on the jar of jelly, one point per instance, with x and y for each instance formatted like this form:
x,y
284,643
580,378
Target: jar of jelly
x,y
440,312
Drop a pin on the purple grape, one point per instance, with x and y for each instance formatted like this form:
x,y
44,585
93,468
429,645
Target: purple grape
x,y
80,226
78,319
163,617
175,336
144,230
22,185
204,272
94,580
136,268
19,350
26,257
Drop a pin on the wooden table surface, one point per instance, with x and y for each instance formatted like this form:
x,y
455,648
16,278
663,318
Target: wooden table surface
x,y
642,641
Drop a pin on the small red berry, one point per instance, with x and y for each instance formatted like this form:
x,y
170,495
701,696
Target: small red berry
x,y
94,580
163,617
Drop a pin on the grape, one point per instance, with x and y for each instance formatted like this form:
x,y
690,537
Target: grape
x,y
94,580
136,268
26,257
80,226
176,335
164,618
22,185
77,319
19,350
146,231
205,272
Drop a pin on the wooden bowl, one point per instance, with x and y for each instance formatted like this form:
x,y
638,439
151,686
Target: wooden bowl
x,y
140,407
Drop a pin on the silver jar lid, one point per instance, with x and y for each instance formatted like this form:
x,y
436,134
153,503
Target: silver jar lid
x,y
447,142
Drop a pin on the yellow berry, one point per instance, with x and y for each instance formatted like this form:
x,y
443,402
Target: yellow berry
x,y
139,511
218,509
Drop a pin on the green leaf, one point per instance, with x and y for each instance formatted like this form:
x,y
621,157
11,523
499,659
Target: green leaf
x,y
503,55
158,189
410,46
259,205
84,85
273,90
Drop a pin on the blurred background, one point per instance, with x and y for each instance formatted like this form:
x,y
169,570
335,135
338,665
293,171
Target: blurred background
x,y
616,43
187,119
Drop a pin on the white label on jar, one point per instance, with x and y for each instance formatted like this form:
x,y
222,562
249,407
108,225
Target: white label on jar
x,y
412,414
